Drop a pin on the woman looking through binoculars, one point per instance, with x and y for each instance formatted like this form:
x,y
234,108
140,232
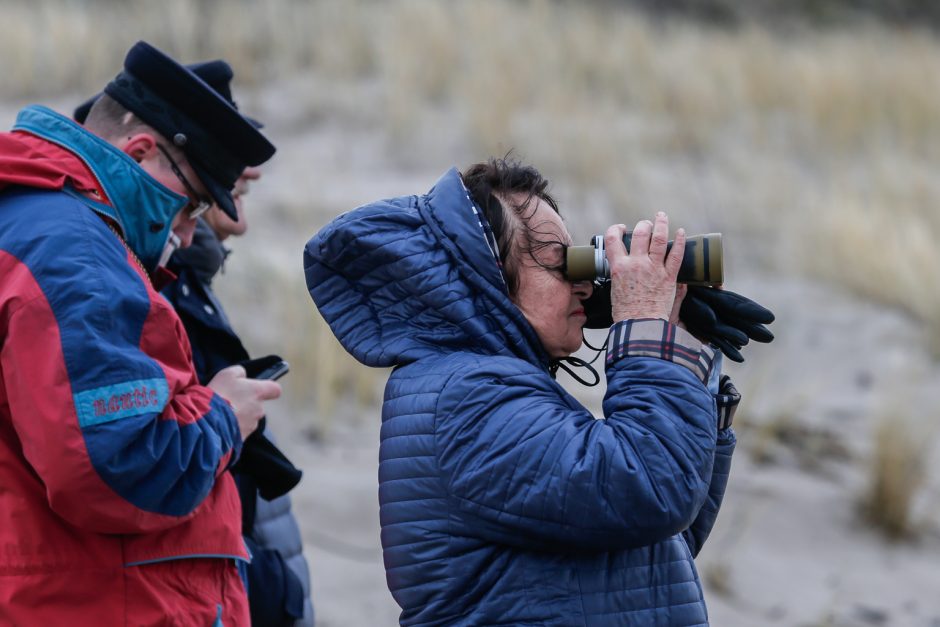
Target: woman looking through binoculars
x,y
503,500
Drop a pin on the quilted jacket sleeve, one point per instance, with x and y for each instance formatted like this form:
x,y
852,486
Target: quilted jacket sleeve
x,y
701,527
526,465
727,399
101,390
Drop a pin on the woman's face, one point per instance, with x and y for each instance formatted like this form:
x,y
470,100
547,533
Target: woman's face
x,y
551,304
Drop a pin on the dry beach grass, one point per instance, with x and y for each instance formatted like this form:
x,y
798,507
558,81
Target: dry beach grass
x,y
817,154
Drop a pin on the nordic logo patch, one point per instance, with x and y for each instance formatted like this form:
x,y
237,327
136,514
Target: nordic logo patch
x,y
121,400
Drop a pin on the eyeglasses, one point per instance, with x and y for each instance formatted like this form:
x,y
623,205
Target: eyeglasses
x,y
198,204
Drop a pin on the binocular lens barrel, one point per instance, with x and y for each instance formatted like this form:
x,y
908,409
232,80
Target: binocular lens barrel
x,y
701,263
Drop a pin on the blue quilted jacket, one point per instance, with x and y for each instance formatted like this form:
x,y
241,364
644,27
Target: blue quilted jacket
x,y
503,500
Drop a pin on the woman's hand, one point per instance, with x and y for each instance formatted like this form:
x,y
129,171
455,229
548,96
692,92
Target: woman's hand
x,y
681,290
643,281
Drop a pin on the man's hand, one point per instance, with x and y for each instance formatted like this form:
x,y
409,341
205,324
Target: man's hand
x,y
246,396
643,281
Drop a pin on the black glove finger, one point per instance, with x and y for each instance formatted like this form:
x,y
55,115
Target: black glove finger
x,y
760,333
726,302
731,334
726,347
745,307
757,332
754,330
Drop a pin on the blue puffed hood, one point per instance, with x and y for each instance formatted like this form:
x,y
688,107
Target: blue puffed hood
x,y
415,276
141,206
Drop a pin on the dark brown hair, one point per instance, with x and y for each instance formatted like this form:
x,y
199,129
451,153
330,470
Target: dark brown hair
x,y
493,186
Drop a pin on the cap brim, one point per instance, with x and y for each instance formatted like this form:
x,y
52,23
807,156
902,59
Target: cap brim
x,y
220,194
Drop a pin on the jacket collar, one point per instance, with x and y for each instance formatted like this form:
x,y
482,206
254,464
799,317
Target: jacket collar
x,y
205,256
140,205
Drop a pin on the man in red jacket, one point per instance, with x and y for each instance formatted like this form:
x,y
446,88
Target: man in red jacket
x,y
115,507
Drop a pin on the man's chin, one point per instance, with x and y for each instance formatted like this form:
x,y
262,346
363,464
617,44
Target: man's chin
x,y
185,235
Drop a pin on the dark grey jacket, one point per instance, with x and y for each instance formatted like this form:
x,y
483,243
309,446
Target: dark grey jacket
x,y
278,578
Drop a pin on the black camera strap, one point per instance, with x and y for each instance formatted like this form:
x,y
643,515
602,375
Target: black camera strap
x,y
569,363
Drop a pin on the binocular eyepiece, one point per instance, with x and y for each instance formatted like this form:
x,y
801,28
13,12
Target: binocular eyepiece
x,y
701,263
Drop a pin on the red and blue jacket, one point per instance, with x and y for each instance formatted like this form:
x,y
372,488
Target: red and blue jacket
x,y
112,456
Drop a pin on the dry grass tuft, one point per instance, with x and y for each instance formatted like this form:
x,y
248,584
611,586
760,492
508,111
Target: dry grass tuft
x,y
881,242
898,465
717,576
766,438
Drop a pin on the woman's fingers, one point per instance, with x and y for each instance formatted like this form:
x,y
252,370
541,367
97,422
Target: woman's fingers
x,y
613,242
674,260
643,282
660,238
640,241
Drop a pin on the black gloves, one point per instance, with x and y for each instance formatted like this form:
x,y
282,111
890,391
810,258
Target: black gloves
x,y
273,474
725,319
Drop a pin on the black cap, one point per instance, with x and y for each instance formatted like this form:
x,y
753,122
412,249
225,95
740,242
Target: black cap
x,y
200,120
217,74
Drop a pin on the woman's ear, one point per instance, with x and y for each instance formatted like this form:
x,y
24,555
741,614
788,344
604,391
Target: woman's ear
x,y
138,147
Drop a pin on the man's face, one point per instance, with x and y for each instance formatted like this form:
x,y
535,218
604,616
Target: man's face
x,y
223,225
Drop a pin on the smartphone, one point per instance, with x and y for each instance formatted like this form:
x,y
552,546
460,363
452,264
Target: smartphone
x,y
270,367
274,372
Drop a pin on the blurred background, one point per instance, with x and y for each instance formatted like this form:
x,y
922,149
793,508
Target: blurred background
x,y
806,131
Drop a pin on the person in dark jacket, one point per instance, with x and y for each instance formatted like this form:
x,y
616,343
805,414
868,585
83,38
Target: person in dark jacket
x,y
278,578
503,500
278,575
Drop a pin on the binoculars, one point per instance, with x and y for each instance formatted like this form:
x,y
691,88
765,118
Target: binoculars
x,y
701,263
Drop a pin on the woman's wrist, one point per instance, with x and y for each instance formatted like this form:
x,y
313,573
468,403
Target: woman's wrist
x,y
655,337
